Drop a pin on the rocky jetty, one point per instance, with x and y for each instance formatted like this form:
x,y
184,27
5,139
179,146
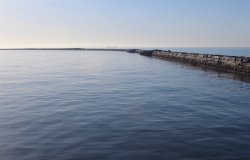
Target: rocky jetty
x,y
234,64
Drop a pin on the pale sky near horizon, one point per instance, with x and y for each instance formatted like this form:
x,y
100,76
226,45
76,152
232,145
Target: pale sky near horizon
x,y
124,23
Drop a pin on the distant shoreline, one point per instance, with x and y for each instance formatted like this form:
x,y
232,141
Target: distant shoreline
x,y
42,49
93,49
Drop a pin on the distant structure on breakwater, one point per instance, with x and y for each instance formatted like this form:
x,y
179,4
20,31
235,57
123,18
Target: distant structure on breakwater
x,y
234,64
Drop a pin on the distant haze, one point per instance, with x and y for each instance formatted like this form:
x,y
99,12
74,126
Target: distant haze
x,y
124,23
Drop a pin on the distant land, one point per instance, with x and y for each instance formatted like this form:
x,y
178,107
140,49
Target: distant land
x,y
41,48
93,49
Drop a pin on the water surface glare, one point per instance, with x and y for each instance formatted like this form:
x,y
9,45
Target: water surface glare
x,y
65,105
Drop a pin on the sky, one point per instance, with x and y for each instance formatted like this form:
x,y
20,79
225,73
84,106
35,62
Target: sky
x,y
124,23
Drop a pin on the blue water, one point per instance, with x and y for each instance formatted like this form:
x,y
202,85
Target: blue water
x,y
70,105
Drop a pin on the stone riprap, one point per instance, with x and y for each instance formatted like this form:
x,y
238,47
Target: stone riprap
x,y
227,63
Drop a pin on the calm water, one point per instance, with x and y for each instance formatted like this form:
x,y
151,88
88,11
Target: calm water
x,y
74,105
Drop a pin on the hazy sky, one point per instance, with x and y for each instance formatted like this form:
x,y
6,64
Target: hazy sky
x,y
124,23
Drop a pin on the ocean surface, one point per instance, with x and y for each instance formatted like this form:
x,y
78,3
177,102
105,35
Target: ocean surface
x,y
73,105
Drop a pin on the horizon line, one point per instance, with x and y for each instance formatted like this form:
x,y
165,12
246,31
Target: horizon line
x,y
37,48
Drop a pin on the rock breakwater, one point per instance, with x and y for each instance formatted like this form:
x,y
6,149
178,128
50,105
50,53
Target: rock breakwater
x,y
234,64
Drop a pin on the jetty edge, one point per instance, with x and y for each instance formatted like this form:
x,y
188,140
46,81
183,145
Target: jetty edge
x,y
234,64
